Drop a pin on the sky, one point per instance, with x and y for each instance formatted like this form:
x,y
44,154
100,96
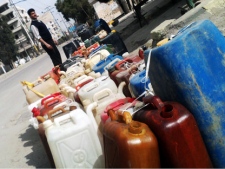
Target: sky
x,y
40,6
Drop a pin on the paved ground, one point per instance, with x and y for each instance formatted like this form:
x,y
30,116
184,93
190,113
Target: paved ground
x,y
20,146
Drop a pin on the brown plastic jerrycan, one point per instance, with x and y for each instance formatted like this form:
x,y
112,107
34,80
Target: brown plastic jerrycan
x,y
180,142
129,144
41,130
124,76
132,59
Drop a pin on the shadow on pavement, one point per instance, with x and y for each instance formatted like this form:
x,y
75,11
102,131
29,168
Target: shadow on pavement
x,y
37,157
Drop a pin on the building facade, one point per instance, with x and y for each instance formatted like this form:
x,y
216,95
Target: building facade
x,y
25,48
107,11
52,26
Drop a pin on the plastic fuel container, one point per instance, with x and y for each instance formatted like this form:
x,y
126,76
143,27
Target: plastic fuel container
x,y
129,144
44,87
87,92
189,69
73,141
109,60
180,141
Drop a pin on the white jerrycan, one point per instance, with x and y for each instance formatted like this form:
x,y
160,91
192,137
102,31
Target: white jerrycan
x,y
95,58
82,79
75,69
87,92
104,98
73,141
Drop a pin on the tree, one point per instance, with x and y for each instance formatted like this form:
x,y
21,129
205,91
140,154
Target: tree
x,y
79,10
8,48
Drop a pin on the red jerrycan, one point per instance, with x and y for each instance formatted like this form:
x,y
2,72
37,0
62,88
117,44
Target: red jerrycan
x,y
49,102
180,142
115,106
129,60
54,74
36,111
41,130
129,144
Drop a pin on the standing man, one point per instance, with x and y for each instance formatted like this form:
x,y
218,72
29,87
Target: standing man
x,y
42,33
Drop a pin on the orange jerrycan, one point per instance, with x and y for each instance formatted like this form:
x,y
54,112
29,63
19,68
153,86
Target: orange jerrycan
x,y
129,144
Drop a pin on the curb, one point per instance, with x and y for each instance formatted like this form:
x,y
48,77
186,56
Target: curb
x,y
21,67
187,18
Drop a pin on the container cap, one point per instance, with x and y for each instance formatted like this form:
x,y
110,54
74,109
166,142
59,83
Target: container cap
x,y
135,127
125,55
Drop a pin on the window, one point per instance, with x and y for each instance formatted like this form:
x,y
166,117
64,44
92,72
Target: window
x,y
10,15
22,11
16,37
4,8
11,27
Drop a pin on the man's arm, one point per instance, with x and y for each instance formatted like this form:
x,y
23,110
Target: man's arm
x,y
37,36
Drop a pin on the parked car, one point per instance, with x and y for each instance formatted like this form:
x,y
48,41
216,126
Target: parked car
x,y
84,32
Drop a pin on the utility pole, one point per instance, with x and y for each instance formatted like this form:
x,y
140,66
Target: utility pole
x,y
63,21
21,23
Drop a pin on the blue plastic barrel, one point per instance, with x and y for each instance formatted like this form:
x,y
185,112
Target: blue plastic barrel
x,y
138,83
190,69
100,66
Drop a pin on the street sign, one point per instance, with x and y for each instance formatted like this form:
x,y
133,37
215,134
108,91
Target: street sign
x,y
73,28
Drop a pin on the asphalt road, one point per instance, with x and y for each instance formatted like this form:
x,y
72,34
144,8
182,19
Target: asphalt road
x,y
20,145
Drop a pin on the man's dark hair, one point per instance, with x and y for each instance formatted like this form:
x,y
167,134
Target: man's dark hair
x,y
30,10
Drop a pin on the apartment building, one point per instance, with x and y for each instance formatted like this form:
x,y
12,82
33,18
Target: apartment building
x,y
25,47
107,11
52,26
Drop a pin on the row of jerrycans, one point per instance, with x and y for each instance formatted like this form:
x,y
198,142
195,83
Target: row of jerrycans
x,y
179,141
163,133
171,139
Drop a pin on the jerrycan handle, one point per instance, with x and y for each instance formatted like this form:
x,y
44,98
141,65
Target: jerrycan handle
x,y
120,116
52,101
120,64
50,96
154,100
112,63
90,107
118,103
102,94
51,112
82,84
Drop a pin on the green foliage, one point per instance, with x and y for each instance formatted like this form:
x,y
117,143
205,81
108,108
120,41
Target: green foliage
x,y
8,49
79,10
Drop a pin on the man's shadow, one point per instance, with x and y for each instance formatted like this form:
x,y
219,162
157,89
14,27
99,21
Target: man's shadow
x,y
38,157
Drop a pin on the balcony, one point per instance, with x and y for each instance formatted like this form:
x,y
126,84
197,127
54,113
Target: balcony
x,y
17,29
12,20
6,12
28,46
20,40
